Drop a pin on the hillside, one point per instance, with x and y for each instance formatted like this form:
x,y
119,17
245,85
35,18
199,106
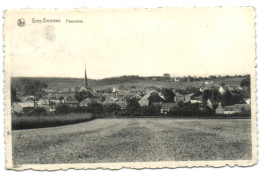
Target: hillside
x,y
140,83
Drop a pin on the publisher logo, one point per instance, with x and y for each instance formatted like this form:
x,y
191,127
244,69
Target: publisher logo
x,y
21,22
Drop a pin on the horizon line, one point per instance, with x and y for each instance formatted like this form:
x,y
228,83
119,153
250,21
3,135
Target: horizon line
x,y
128,75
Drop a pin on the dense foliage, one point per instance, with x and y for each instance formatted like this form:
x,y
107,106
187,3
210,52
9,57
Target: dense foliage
x,y
228,98
245,82
27,87
168,94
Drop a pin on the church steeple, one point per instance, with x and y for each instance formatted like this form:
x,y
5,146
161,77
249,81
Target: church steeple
x,y
85,79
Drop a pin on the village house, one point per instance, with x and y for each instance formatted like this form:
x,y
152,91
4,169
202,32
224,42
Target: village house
x,y
154,79
87,90
161,95
85,102
115,89
70,101
219,109
166,107
231,110
208,82
223,89
49,103
237,108
107,101
107,96
243,107
138,96
28,98
116,96
20,107
144,101
247,101
44,102
202,89
120,103
66,90
209,104
176,79
150,97
182,98
150,88
54,101
195,100
157,106
48,90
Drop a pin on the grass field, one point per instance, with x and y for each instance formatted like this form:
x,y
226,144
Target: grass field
x,y
135,139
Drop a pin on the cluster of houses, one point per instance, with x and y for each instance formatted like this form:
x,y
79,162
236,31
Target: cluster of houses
x,y
149,95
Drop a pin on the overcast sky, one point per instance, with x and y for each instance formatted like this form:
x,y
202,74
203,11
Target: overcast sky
x,y
147,43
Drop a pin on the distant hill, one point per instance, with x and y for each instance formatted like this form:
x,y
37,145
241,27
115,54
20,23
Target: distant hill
x,y
129,81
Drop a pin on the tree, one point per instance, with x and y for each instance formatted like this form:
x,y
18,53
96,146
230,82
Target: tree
x,y
190,79
212,77
112,109
62,109
40,111
132,106
102,98
30,87
245,82
215,95
237,98
95,108
149,110
227,98
184,79
206,95
168,94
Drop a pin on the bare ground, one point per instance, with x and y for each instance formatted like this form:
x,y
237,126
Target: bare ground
x,y
131,140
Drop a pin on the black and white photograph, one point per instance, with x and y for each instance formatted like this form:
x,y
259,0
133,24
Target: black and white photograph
x,y
137,88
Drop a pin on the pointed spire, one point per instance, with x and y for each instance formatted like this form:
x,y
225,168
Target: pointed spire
x,y
85,79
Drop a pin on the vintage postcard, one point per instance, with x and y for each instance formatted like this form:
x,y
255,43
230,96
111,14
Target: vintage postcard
x,y
134,88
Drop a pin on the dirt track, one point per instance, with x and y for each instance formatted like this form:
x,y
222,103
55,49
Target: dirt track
x,y
129,140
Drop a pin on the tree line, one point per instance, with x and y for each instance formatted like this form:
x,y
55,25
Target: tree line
x,y
133,78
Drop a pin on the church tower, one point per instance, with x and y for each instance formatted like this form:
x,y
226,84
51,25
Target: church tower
x,y
85,79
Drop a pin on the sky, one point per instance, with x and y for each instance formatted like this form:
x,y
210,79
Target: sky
x,y
181,42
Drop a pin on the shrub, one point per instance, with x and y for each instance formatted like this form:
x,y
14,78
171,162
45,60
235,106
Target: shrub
x,y
190,110
62,109
95,108
132,107
112,110
79,109
40,111
149,110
